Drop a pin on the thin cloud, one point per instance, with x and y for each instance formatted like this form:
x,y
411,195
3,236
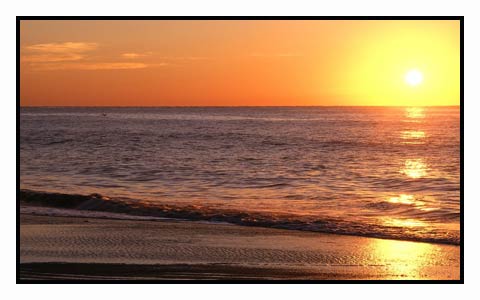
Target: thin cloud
x,y
57,52
89,66
94,66
38,58
133,55
76,56
110,66
67,47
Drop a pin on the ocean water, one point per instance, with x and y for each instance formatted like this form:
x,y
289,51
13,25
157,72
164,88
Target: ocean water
x,y
371,171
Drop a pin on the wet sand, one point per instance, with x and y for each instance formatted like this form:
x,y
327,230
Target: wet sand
x,y
65,248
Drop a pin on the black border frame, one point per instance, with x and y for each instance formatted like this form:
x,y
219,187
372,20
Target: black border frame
x,y
249,281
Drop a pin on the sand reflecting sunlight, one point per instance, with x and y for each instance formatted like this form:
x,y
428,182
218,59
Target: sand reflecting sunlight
x,y
403,259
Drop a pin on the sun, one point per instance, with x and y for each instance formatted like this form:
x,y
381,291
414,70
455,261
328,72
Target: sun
x,y
413,77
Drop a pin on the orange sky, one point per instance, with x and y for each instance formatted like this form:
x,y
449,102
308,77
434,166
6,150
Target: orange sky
x,y
240,63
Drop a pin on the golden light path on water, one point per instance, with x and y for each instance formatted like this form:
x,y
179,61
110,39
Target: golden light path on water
x,y
403,222
407,259
415,113
409,199
413,134
403,199
415,137
413,168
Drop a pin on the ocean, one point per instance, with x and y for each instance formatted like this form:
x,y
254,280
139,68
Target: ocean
x,y
388,172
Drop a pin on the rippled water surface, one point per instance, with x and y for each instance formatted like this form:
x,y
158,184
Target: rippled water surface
x,y
387,172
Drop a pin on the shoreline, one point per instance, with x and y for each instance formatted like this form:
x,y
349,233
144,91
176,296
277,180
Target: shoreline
x,y
99,206
78,248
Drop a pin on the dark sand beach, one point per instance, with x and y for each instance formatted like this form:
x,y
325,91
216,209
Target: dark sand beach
x,y
66,248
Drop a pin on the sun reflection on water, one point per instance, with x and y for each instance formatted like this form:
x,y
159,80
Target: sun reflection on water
x,y
413,137
423,203
401,222
415,112
403,199
413,134
415,168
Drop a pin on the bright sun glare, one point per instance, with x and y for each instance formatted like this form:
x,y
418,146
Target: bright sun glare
x,y
414,77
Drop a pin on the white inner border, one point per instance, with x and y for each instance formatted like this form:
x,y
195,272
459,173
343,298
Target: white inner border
x,y
11,9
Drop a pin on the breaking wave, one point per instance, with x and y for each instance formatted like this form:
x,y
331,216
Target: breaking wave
x,y
99,206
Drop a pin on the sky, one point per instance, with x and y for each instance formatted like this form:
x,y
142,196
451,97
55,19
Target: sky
x,y
239,63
